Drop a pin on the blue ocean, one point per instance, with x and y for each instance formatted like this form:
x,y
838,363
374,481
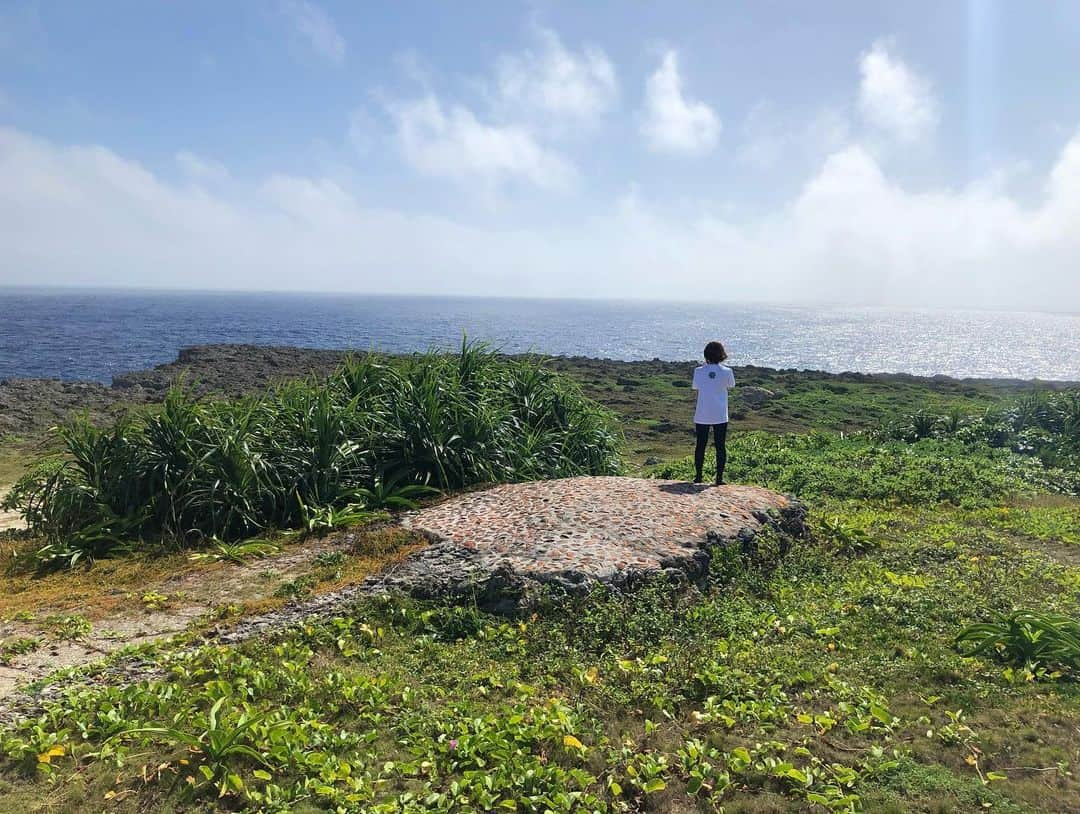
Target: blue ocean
x,y
94,334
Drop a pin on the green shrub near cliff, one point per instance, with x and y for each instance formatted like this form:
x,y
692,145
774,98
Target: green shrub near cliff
x,y
819,465
1043,424
200,469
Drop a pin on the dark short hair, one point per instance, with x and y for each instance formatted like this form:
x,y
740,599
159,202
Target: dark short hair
x,y
715,353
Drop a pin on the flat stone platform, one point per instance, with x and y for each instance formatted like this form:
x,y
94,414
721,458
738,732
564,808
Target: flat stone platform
x,y
499,546
500,543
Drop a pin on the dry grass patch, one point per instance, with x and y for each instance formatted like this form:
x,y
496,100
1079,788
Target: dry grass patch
x,y
95,591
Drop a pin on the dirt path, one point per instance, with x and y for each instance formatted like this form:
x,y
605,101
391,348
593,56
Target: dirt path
x,y
55,634
8,520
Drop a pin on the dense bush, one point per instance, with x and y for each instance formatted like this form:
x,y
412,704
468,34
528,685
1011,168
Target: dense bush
x,y
228,469
827,465
1044,424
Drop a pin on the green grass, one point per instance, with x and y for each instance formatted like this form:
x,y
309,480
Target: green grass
x,y
820,465
17,455
1055,522
656,404
827,680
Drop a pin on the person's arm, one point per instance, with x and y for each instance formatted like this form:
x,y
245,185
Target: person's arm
x,y
731,378
696,384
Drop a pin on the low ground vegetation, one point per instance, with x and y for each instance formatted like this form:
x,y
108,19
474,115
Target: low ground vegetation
x,y
830,680
827,465
919,655
1044,424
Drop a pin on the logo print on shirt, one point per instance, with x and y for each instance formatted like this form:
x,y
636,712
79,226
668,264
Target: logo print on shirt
x,y
712,374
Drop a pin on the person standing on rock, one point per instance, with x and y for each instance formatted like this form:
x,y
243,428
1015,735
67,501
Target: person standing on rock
x,y
712,381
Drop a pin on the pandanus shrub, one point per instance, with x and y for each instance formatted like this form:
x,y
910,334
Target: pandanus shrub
x,y
1044,424
377,433
1025,637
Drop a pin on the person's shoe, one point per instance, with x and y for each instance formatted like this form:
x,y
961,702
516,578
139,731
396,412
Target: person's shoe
x,y
697,479
719,482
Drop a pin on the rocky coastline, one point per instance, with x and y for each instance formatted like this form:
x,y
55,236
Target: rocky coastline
x,y
28,407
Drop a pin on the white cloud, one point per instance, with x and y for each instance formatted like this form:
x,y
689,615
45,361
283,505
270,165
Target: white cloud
x,y
673,122
770,138
553,81
454,143
850,235
122,225
315,25
862,233
534,98
201,170
893,97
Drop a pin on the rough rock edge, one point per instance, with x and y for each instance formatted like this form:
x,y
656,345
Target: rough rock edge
x,y
450,572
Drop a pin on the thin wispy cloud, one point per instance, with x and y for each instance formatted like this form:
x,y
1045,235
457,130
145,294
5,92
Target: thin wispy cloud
x,y
564,87
772,138
451,141
316,28
673,122
532,99
201,170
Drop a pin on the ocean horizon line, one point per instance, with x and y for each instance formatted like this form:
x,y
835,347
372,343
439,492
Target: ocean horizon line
x,y
629,300
95,333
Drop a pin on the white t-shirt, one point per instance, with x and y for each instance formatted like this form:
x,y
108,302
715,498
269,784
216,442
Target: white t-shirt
x,y
712,383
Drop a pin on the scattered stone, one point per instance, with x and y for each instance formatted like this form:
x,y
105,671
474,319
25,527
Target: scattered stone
x,y
754,397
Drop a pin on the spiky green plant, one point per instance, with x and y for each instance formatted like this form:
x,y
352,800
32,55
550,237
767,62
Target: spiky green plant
x,y
219,741
951,422
919,425
236,552
393,492
844,538
1026,637
313,454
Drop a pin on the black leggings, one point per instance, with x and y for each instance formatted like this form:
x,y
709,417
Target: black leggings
x,y
719,439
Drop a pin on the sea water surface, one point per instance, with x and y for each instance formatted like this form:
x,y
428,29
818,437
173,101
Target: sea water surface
x,y
94,334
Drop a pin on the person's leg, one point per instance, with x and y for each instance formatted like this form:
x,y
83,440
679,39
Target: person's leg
x,y
702,431
720,440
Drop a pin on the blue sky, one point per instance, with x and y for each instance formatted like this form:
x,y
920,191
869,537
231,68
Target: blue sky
x,y
915,154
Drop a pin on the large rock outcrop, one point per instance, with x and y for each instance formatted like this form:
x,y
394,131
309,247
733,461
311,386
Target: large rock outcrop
x,y
499,545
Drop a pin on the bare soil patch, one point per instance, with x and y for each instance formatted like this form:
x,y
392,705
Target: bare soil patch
x,y
126,603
